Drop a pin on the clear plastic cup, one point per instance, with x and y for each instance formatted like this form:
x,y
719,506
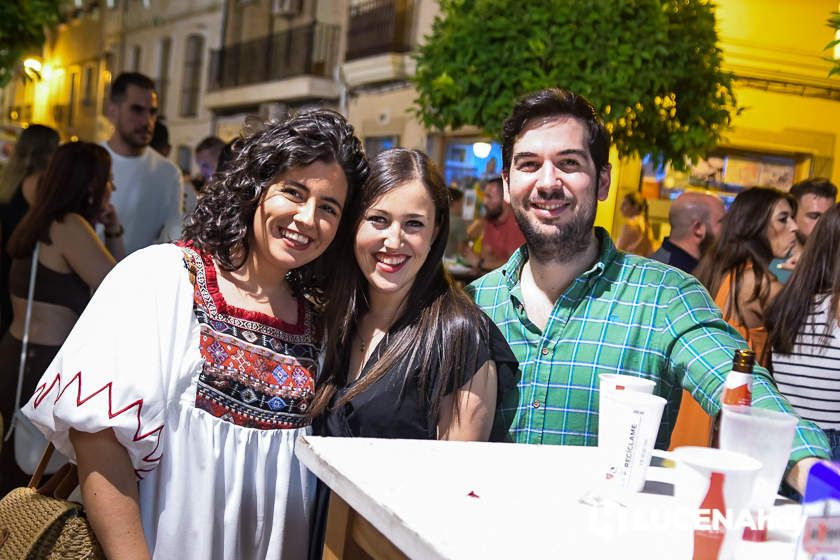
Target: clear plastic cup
x,y
765,435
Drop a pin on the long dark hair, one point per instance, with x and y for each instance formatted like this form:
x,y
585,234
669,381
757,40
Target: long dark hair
x,y
223,220
743,244
439,322
817,273
75,182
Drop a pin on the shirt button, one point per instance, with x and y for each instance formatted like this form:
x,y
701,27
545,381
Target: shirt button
x,y
536,404
544,351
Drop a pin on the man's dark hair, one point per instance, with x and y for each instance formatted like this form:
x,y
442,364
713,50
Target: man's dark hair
x,y
160,136
211,143
817,186
226,155
494,180
556,102
455,194
121,83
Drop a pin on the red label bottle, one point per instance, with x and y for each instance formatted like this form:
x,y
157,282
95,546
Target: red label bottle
x,y
738,387
707,543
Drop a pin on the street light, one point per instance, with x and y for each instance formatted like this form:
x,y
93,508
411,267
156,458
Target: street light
x,y
32,68
481,149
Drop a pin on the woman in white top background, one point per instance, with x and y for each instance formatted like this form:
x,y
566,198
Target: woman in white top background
x,y
803,324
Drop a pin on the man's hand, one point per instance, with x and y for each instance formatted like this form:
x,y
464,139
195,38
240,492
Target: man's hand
x,y
797,476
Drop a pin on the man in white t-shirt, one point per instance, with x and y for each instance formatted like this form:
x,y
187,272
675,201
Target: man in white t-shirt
x,y
148,186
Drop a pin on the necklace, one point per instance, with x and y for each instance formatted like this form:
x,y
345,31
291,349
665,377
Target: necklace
x,y
362,345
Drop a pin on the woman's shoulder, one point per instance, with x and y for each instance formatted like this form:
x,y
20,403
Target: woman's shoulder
x,y
752,276
71,222
152,263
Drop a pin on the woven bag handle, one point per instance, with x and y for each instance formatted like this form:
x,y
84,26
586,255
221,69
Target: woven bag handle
x,y
58,482
42,466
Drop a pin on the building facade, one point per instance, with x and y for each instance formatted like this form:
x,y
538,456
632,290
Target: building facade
x,y
168,41
217,62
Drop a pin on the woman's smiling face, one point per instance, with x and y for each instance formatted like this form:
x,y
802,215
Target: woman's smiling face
x,y
394,238
299,215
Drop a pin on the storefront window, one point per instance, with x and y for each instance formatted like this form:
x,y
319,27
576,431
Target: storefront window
x,y
726,173
376,144
468,162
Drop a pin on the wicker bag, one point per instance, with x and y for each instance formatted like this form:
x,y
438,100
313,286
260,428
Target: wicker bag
x,y
39,523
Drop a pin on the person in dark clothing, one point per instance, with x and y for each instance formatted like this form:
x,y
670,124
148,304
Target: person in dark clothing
x,y
412,357
29,159
72,197
695,220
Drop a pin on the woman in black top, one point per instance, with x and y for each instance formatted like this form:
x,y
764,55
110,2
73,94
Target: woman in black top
x,y
33,150
412,357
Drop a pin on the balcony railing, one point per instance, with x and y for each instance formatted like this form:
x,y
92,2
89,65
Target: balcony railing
x,y
378,27
307,50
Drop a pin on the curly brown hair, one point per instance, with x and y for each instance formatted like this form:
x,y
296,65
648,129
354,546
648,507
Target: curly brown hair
x,y
222,222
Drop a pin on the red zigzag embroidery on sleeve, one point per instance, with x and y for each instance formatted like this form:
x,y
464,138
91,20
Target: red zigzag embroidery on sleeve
x,y
43,390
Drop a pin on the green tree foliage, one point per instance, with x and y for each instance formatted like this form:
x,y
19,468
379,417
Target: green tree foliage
x,y
834,23
22,24
652,68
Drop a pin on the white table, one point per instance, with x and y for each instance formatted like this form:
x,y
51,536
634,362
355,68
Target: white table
x,y
525,503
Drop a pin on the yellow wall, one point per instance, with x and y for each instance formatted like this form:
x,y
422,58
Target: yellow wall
x,y
782,41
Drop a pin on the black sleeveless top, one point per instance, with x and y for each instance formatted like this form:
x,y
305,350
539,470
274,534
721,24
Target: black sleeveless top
x,y
58,288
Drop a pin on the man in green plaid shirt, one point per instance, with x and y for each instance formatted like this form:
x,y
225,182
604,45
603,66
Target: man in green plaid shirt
x,y
572,306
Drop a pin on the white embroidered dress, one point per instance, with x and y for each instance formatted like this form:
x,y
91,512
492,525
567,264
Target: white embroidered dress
x,y
208,400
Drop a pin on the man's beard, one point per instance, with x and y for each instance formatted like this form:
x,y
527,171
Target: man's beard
x,y
492,214
134,140
707,242
566,241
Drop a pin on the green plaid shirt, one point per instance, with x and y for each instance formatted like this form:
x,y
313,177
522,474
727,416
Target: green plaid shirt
x,y
627,315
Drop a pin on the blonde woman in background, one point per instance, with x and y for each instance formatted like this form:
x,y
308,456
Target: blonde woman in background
x,y
30,157
635,236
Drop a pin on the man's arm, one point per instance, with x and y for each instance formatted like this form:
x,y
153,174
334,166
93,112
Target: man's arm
x,y
701,348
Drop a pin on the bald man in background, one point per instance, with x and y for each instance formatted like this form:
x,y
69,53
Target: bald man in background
x,y
695,220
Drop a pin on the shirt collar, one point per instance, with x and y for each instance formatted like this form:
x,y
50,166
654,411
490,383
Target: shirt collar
x,y
512,270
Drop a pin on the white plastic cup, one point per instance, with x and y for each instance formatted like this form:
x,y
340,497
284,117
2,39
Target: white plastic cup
x,y
765,435
628,424
695,466
617,382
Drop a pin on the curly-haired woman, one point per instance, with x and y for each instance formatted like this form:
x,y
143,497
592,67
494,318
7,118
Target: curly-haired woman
x,y
193,367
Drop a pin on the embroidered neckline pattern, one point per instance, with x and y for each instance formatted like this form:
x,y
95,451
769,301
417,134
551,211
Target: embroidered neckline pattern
x,y
254,374
206,283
